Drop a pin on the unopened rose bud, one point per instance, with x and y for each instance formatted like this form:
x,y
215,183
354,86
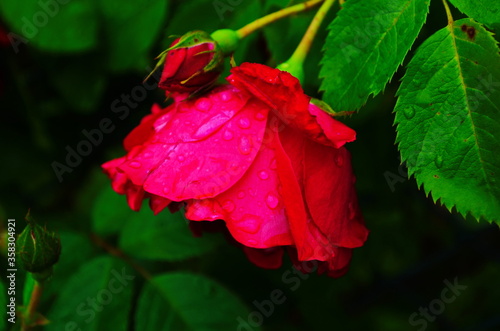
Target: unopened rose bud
x,y
38,249
192,63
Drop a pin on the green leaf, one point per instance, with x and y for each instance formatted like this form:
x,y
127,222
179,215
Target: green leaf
x,y
130,29
165,236
448,116
193,15
69,262
188,302
80,80
56,26
365,46
96,297
483,11
110,212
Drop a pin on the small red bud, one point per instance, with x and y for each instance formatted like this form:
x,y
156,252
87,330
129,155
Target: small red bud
x,y
193,62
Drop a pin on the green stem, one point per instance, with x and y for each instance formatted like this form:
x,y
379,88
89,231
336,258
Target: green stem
x,y
300,53
36,295
448,13
294,65
268,19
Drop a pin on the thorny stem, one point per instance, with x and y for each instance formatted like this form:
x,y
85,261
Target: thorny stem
x,y
36,295
268,19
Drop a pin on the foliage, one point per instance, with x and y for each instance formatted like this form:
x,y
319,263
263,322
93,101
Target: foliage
x,y
447,115
73,65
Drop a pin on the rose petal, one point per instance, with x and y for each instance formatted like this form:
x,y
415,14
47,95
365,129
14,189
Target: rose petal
x,y
283,93
173,62
336,132
253,208
331,196
270,258
334,267
204,210
157,203
135,195
207,163
338,265
278,89
118,179
312,241
140,134
311,244
190,121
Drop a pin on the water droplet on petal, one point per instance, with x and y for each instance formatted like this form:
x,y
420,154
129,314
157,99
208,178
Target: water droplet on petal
x,y
166,190
249,224
181,158
339,159
228,135
245,147
409,112
228,206
263,175
244,123
211,125
187,123
135,164
203,104
162,121
272,201
226,96
260,116
438,161
147,155
233,168
273,164
241,194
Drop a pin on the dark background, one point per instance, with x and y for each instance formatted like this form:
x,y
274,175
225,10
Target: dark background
x,y
49,95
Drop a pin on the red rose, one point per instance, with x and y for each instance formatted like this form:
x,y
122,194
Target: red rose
x,y
260,156
193,63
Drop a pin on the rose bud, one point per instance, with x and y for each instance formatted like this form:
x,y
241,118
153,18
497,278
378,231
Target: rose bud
x,y
38,249
193,62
